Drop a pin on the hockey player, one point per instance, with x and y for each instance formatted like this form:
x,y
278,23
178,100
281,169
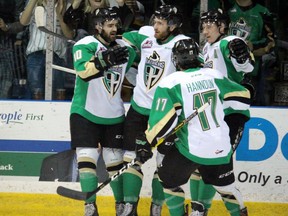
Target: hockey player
x,y
204,143
231,56
155,44
97,110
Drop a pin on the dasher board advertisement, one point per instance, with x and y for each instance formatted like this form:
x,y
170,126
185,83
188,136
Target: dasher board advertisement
x,y
32,130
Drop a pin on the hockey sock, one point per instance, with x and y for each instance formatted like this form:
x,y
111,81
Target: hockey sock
x,y
158,197
175,201
233,208
201,192
89,182
232,199
113,158
132,183
194,186
117,188
206,194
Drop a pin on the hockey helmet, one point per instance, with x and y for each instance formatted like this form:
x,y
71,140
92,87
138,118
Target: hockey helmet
x,y
216,16
170,13
185,54
106,14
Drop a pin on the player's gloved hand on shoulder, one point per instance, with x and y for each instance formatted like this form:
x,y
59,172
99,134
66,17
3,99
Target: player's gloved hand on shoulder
x,y
113,56
143,149
239,50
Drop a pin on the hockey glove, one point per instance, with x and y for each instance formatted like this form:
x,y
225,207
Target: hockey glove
x,y
110,57
236,123
143,149
239,50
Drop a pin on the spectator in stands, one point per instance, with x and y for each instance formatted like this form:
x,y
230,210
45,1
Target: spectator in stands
x,y
269,57
247,23
9,27
36,49
139,12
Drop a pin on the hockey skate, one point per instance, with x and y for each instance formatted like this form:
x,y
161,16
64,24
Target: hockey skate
x,y
130,209
119,208
244,212
155,210
91,209
198,209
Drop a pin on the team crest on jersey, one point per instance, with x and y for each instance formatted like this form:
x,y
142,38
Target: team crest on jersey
x,y
112,80
240,28
147,44
154,69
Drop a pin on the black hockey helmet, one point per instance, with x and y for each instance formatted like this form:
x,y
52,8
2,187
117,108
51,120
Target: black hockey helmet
x,y
185,54
172,14
216,16
106,14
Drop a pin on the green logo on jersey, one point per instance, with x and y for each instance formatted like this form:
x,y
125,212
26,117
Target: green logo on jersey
x,y
240,28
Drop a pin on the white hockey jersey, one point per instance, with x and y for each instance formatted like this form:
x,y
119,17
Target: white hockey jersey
x,y
217,56
99,99
155,64
205,139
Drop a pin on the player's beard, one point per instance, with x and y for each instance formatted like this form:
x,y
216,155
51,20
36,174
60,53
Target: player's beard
x,y
109,37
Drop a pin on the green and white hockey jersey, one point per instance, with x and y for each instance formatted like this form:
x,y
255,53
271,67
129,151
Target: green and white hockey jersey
x,y
217,56
248,24
155,64
205,139
99,99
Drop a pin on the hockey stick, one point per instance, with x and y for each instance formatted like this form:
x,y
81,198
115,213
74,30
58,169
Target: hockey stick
x,y
184,122
78,195
44,29
237,139
40,23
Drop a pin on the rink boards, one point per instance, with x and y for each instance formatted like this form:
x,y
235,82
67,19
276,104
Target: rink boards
x,y
30,131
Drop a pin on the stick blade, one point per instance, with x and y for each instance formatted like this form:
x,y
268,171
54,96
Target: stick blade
x,y
40,16
73,194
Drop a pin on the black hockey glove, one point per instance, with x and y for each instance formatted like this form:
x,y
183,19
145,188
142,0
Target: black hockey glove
x,y
239,50
110,57
143,149
236,123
